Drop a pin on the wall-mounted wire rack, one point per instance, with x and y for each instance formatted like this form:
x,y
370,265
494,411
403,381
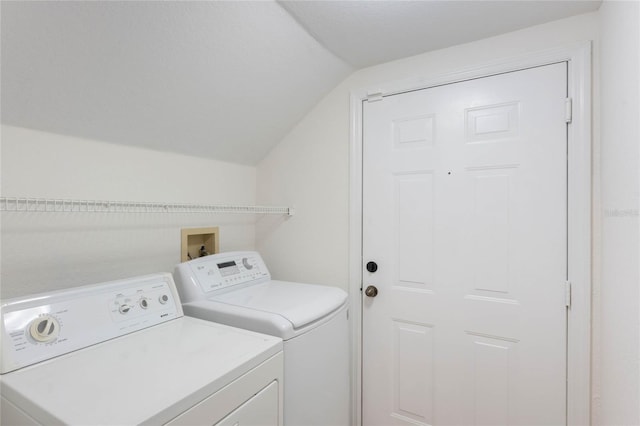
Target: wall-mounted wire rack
x,y
49,205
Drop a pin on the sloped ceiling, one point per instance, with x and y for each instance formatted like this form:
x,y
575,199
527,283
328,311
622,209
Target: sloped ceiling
x,y
365,33
218,79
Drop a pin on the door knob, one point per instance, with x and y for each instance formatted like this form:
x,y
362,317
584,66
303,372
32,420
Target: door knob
x,y
371,291
372,266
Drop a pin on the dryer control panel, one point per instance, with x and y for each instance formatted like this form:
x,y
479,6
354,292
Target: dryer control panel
x,y
219,272
46,325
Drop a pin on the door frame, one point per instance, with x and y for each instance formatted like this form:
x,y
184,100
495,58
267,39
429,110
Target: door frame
x,y
579,190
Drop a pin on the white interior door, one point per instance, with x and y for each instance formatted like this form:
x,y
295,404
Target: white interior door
x,y
465,215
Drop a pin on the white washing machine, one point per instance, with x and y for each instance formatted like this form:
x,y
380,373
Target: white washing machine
x,y
236,289
123,353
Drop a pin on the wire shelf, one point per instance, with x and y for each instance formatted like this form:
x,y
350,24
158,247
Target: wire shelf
x,y
47,205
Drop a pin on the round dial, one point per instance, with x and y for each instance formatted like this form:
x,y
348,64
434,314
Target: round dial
x,y
44,329
246,263
144,303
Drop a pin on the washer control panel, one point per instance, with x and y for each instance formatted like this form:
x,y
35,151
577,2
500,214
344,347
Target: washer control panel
x,y
43,326
219,272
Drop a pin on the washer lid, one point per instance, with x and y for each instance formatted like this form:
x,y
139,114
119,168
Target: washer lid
x,y
300,304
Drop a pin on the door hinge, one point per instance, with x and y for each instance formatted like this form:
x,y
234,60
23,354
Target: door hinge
x,y
567,293
374,97
568,110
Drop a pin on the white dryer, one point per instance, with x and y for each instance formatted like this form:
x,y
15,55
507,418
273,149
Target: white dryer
x,y
235,288
123,353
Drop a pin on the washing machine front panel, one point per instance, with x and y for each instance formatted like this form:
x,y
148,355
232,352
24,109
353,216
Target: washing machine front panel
x,y
317,391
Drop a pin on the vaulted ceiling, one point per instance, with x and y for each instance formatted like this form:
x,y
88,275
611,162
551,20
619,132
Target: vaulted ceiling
x,y
218,79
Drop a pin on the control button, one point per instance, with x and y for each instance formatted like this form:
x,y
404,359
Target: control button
x,y
163,299
124,308
44,329
144,303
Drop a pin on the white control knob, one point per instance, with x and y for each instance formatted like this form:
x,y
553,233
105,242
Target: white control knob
x,y
124,308
163,299
44,329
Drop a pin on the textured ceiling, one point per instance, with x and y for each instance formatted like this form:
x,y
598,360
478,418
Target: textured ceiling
x,y
219,79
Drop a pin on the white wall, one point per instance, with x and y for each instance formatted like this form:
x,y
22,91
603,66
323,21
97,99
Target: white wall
x,y
46,251
618,390
310,169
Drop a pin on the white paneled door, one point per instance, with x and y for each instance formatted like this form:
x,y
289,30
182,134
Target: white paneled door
x,y
465,217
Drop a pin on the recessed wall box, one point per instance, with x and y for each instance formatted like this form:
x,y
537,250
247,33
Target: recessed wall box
x,y
194,239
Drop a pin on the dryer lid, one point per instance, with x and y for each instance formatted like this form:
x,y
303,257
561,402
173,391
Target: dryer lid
x,y
146,377
300,304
